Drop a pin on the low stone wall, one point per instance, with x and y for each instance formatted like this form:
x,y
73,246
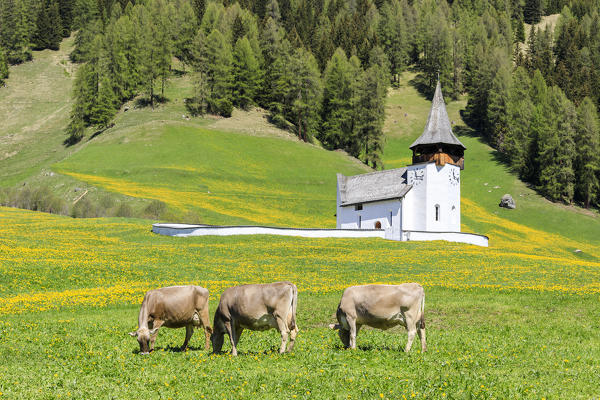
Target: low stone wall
x,y
470,238
184,230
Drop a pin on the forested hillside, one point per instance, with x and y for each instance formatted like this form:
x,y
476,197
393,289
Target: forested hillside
x,y
321,68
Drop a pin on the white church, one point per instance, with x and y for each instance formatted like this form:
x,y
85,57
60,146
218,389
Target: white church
x,y
418,202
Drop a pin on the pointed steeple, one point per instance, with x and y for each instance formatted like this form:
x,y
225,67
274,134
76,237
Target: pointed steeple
x,y
438,143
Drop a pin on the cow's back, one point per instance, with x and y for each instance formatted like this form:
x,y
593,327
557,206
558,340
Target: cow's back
x,y
253,301
176,305
380,305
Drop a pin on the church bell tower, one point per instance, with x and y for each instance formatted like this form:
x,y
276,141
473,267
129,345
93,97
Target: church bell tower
x,y
438,143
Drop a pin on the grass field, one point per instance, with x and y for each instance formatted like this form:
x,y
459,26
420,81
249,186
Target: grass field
x,y
516,320
500,323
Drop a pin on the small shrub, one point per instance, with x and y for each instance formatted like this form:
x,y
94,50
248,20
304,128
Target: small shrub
x,y
84,208
155,209
124,210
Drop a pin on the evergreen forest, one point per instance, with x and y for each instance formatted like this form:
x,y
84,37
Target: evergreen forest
x,y
322,69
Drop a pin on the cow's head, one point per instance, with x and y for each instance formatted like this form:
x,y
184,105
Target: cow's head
x,y
143,335
218,333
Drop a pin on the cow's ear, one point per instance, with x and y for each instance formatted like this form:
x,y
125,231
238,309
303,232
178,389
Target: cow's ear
x,y
153,331
134,333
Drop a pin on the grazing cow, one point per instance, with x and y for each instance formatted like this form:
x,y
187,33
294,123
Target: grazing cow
x,y
382,306
258,308
173,307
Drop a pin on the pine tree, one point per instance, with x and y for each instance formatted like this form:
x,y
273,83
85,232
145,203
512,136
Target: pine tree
x,y
246,74
370,114
48,33
14,31
65,9
3,67
498,104
83,97
520,111
216,65
532,12
337,130
103,109
557,148
304,94
587,160
393,36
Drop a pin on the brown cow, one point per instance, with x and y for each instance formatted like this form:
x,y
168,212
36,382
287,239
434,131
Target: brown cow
x,y
256,307
382,306
173,307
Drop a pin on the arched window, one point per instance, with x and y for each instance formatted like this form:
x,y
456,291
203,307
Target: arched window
x,y
377,225
437,212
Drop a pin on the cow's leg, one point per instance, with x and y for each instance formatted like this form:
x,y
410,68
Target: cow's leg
x,y
284,331
293,334
237,333
204,318
229,327
421,332
157,323
189,331
411,326
353,331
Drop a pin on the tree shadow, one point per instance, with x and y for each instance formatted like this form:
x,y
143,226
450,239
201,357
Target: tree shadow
x,y
421,84
143,102
71,141
101,131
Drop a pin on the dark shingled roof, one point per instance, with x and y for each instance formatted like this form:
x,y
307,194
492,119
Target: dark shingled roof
x,y
374,186
438,128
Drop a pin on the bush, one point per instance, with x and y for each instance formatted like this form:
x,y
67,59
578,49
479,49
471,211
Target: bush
x,y
124,210
155,209
84,208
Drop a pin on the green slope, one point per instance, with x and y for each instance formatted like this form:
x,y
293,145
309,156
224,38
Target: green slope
x,y
243,170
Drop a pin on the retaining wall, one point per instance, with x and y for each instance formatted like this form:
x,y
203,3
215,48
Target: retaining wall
x,y
183,230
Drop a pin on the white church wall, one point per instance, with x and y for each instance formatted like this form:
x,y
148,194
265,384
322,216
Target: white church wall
x,y
414,212
387,213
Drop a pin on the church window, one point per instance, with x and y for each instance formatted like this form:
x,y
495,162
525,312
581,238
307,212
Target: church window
x,y
437,212
359,221
391,218
357,207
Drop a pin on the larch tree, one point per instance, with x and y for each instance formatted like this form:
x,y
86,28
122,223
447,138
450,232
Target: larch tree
x,y
336,130
246,74
48,33
587,159
3,67
556,148
216,67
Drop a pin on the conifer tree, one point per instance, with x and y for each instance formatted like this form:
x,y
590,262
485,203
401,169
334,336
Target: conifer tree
x,y
393,36
498,104
557,147
520,110
370,115
65,9
3,67
587,160
246,74
103,109
337,130
48,33
216,65
15,31
532,12
304,94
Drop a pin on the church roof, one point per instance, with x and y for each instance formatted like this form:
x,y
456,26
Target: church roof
x,y
374,186
438,128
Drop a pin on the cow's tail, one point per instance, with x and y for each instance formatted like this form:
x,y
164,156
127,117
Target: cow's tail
x,y
293,305
422,320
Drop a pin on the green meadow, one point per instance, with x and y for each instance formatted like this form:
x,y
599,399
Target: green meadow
x,y
516,320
